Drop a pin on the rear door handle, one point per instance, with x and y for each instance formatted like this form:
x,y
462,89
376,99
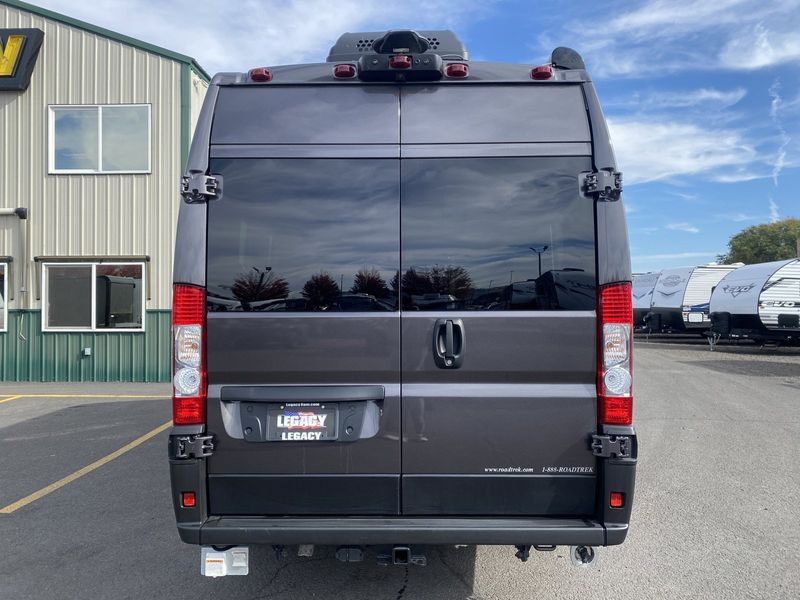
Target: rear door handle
x,y
448,343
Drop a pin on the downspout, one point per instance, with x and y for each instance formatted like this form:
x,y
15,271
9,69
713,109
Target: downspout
x,y
22,214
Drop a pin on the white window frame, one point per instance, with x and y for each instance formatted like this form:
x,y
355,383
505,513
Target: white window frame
x,y
94,328
51,141
4,267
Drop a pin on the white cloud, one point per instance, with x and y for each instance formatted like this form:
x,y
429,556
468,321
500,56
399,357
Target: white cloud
x,y
774,216
648,150
667,36
225,36
687,227
674,256
740,217
760,47
701,97
776,102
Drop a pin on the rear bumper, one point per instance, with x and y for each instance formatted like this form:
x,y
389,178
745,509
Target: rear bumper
x,y
225,531
608,527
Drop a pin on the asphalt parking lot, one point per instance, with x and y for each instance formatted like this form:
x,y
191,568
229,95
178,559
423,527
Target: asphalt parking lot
x,y
85,510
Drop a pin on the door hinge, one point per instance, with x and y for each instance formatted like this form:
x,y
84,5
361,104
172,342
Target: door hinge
x,y
191,446
611,446
199,187
605,185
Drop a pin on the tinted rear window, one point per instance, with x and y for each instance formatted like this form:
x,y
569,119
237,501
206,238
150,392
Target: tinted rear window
x,y
474,231
307,115
303,235
462,114
299,235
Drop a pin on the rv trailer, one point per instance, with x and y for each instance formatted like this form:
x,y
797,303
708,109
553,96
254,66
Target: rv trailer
x,y
643,285
759,302
681,298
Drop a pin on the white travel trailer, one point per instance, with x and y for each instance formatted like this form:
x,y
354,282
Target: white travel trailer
x,y
680,300
642,292
759,302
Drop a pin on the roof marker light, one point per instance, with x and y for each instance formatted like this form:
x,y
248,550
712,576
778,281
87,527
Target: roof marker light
x,y
344,71
456,70
542,72
400,61
260,74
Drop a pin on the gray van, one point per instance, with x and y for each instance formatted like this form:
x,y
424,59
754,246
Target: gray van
x,y
402,309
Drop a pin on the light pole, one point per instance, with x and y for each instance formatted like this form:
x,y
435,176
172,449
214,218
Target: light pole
x,y
539,251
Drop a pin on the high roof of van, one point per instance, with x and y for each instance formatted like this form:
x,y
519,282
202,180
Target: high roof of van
x,y
404,56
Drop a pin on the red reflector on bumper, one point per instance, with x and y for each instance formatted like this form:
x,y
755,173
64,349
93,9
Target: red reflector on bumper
x,y
617,499
188,499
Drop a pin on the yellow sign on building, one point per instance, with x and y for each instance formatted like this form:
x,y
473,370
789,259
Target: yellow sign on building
x,y
9,55
18,51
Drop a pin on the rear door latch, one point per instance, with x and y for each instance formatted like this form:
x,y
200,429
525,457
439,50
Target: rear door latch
x,y
191,446
611,446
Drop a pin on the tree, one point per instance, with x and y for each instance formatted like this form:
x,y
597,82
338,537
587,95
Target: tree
x,y
455,281
447,280
258,284
369,281
321,290
764,243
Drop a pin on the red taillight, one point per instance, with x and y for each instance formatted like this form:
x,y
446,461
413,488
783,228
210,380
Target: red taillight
x,y
456,70
614,356
400,61
344,71
188,304
188,499
188,355
542,72
616,500
260,74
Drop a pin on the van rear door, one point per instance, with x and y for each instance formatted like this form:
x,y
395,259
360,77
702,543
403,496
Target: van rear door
x,y
498,301
303,316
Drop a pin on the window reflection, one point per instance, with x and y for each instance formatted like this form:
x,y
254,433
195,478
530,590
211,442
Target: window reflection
x,y
298,235
496,234
118,293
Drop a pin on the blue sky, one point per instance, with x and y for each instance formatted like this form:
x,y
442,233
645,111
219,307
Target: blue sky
x,y
703,98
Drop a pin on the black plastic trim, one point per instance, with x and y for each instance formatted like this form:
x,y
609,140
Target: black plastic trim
x,y
303,494
502,495
301,393
357,531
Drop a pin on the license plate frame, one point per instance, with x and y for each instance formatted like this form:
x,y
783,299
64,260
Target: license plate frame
x,y
303,422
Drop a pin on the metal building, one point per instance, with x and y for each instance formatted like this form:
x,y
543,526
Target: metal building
x,y
95,128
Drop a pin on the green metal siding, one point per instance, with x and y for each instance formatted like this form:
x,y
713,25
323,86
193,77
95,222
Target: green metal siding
x,y
28,354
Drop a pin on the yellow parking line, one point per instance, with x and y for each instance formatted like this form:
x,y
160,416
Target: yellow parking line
x,y
85,396
81,472
92,396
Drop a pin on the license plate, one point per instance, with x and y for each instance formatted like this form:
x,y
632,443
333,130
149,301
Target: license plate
x,y
302,422
695,317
